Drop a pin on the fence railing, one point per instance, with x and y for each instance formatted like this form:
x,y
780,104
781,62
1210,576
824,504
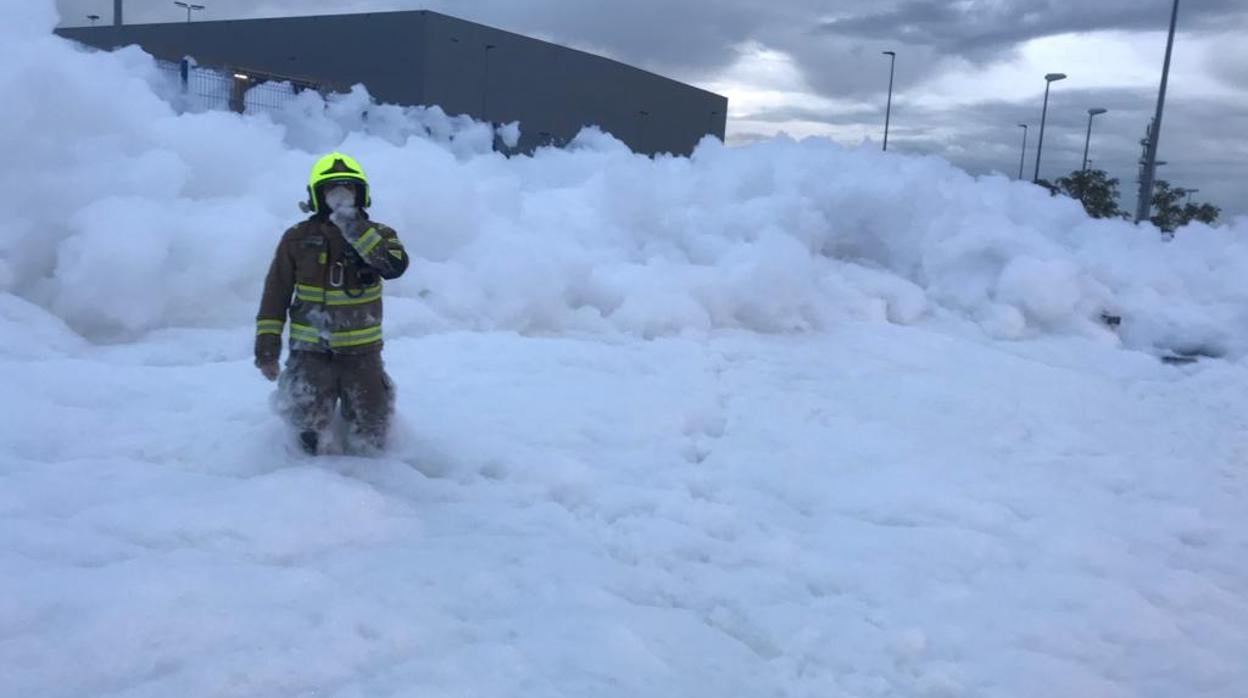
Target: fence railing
x,y
240,90
195,88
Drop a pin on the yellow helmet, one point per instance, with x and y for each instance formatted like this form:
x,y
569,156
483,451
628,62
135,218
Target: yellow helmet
x,y
337,167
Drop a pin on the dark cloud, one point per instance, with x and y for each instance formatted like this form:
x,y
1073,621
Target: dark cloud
x,y
982,29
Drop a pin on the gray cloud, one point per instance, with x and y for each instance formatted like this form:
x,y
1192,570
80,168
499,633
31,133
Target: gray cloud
x,y
980,30
780,115
1228,61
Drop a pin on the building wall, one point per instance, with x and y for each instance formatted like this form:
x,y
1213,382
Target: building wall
x,y
381,50
423,57
554,91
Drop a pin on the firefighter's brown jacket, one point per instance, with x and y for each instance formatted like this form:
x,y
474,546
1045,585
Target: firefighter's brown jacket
x,y
330,284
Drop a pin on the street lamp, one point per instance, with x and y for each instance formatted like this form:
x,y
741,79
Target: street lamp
x,y
94,19
189,8
888,111
1189,195
1023,154
1048,82
1145,202
1095,111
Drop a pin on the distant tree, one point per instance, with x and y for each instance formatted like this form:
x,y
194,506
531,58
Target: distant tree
x,y
1171,213
1205,213
1167,206
1095,189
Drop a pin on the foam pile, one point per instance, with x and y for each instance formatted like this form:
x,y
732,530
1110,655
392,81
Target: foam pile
x,y
130,214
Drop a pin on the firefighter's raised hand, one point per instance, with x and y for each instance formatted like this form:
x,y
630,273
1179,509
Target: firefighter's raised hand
x,y
350,226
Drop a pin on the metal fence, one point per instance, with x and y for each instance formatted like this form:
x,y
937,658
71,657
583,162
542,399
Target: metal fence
x,y
237,89
193,88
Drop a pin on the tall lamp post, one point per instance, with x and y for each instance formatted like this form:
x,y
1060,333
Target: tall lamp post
x,y
1095,111
1145,203
189,8
1022,156
888,110
1048,82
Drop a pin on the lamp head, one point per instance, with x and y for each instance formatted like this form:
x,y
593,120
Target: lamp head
x,y
889,53
1054,77
1096,110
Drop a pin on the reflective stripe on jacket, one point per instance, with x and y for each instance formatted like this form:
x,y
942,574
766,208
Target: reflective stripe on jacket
x,y
329,286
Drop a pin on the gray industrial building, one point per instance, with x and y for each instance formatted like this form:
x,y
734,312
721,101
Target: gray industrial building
x,y
426,58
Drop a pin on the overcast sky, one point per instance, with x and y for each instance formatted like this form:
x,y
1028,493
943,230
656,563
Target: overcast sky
x,y
968,71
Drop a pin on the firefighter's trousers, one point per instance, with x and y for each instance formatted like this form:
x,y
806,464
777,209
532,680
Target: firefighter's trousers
x,y
315,383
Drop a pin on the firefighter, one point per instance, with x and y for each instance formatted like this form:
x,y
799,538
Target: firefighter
x,y
327,276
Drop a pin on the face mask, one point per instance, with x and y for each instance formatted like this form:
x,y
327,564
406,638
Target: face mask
x,y
340,198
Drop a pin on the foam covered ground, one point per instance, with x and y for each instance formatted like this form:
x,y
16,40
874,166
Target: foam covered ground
x,y
871,511
787,419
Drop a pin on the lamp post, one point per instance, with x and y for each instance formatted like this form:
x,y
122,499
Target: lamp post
x,y
1088,139
1048,82
1189,195
1145,202
189,8
888,110
1022,156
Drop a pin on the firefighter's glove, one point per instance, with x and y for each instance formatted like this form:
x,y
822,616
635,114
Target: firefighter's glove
x,y
269,369
352,227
